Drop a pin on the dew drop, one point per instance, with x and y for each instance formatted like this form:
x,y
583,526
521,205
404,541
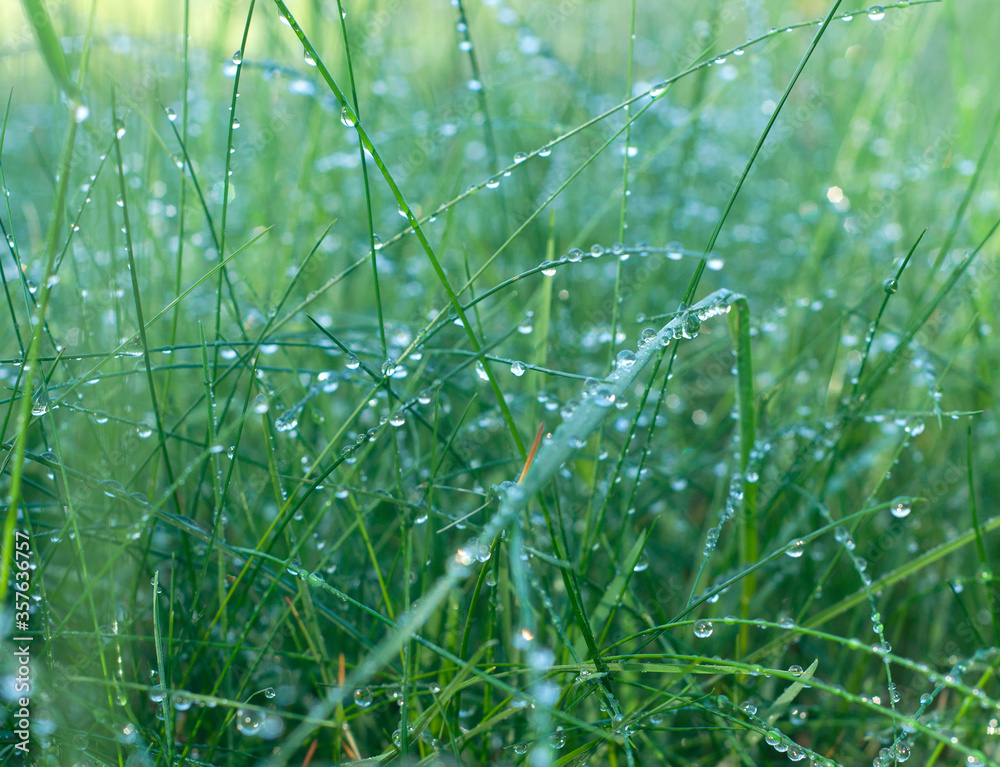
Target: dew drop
x,y
315,580
796,550
249,722
363,697
347,118
625,359
307,57
517,368
287,421
900,508
876,13
604,396
238,58
690,326
890,286
703,628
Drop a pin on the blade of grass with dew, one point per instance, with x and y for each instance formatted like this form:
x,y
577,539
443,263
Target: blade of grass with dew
x,y
739,324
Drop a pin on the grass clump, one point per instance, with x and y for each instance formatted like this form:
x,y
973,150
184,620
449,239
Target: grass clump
x,y
283,323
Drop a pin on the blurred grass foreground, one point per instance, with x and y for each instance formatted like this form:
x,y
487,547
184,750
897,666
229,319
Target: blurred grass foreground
x,y
290,287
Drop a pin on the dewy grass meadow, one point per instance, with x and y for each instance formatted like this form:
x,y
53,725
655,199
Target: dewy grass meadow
x,y
290,287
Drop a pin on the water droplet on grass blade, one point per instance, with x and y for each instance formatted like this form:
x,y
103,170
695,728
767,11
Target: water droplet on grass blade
x,y
307,57
900,508
703,628
625,359
517,368
690,326
604,396
238,58
796,550
287,421
890,286
876,13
